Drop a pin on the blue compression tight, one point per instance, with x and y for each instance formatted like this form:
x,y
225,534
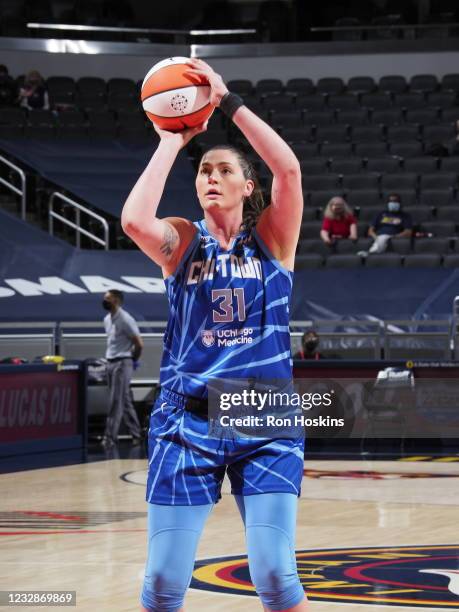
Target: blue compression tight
x,y
173,536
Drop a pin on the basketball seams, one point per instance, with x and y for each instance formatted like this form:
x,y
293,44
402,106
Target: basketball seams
x,y
159,93
175,117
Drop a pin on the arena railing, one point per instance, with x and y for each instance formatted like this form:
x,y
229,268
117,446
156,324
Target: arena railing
x,y
178,35
78,208
414,27
400,339
22,192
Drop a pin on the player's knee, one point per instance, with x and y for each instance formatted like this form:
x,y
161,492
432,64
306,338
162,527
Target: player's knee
x,y
162,592
273,569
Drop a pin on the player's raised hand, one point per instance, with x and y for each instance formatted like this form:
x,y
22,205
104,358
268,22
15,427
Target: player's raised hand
x,y
184,136
217,86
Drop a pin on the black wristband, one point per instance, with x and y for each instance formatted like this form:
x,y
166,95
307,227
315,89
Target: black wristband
x,y
230,103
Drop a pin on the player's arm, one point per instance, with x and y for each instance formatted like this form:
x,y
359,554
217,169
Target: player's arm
x,y
163,240
279,225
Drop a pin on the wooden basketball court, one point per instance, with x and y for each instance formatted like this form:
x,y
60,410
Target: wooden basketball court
x,y
83,528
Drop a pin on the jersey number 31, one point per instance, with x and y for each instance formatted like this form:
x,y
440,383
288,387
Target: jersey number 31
x,y
225,312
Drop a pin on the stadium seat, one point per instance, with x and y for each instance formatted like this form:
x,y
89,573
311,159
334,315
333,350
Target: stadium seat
x,y
361,85
442,229
243,87
448,213
286,119
91,86
402,246
370,149
336,149
423,116
349,247
438,180
344,101
424,83
265,86
346,165
406,149
450,82
422,260
440,133
304,150
383,165
352,117
449,164
451,261
420,165
330,85
311,230
432,245
41,118
402,133
366,134
321,182
309,214
310,102
316,246
332,133
367,180
437,198
392,84
376,101
389,116
419,214
308,261
71,118
343,261
325,117
442,99
298,134
398,182
121,85
318,165
364,198
383,260
409,101
298,87
450,115
277,102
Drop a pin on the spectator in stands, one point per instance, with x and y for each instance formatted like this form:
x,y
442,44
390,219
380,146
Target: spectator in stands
x,y
309,344
8,89
33,94
339,222
388,224
124,347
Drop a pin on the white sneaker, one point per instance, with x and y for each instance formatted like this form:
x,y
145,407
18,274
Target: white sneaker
x,y
362,253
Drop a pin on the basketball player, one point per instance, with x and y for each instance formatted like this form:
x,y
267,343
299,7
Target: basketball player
x,y
230,271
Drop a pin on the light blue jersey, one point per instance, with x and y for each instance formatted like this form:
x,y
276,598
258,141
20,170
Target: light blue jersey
x,y
229,312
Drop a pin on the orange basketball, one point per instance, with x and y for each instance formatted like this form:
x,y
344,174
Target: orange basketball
x,y
172,99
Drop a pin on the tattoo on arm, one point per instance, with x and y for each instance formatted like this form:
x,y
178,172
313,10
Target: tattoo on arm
x,y
170,239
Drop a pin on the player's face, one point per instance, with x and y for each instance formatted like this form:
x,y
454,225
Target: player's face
x,y
220,182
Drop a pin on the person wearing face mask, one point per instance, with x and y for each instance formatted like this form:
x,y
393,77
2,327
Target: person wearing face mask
x,y
309,344
339,222
124,347
8,91
33,94
389,224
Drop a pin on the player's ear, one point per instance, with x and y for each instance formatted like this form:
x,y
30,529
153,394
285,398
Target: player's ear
x,y
249,187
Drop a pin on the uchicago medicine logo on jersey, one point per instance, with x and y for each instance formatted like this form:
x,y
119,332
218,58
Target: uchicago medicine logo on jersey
x,y
226,337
